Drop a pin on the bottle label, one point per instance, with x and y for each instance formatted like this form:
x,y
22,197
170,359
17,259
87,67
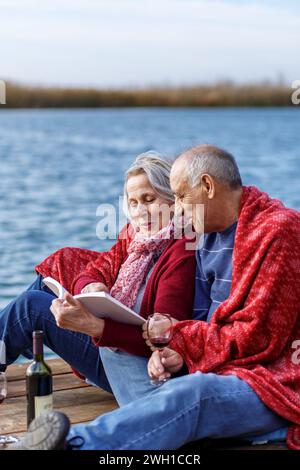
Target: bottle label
x,y
43,404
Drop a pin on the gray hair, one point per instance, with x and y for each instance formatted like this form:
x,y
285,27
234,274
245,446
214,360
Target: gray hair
x,y
214,161
157,169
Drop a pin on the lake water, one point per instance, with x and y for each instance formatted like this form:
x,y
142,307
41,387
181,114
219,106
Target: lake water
x,y
57,166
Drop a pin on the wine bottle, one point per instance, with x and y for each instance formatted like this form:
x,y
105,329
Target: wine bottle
x,y
38,381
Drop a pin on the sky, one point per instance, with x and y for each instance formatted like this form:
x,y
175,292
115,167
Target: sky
x,y
136,43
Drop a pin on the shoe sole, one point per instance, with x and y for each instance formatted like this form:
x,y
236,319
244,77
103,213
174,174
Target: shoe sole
x,y
46,432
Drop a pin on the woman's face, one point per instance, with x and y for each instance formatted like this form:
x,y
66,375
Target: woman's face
x,y
148,211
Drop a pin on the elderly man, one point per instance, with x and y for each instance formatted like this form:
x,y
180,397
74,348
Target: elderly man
x,y
241,348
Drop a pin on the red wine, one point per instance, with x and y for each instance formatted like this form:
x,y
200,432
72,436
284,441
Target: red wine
x,y
38,381
160,342
2,398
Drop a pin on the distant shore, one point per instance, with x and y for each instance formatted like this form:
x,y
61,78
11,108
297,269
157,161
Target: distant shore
x,y
223,94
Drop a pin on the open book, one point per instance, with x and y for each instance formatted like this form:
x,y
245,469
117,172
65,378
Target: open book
x,y
100,304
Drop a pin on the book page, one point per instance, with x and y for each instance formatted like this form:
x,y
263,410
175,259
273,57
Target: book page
x,y
55,286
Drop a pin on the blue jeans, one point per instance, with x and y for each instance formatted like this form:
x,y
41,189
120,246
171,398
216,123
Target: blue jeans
x,y
127,375
184,409
31,311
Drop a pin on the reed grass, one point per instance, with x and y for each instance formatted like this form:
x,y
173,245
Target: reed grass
x,y
223,94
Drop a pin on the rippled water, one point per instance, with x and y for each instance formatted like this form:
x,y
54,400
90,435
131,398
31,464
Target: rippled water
x,y
57,166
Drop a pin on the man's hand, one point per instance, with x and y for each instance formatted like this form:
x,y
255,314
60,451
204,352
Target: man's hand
x,y
71,315
95,287
162,365
145,334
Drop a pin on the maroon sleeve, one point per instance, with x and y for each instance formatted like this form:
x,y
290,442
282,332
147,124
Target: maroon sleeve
x,y
81,282
126,337
174,295
176,288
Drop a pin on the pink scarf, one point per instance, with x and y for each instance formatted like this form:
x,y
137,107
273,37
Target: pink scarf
x,y
142,251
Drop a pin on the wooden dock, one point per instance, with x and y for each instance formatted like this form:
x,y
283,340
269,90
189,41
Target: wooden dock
x,y
80,401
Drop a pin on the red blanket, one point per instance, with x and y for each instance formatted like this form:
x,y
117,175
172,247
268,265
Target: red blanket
x,y
252,333
69,264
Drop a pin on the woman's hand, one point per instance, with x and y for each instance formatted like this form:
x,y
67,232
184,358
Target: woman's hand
x,y
145,334
162,365
70,314
95,287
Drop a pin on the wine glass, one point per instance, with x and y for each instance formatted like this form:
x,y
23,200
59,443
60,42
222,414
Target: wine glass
x,y
159,330
4,440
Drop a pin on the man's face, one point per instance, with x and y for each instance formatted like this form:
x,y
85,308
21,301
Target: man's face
x,y
188,201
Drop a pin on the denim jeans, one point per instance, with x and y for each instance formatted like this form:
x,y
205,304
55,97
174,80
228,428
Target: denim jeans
x,y
127,375
184,409
31,311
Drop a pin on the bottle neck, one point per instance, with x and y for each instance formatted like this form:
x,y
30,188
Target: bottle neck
x,y
38,354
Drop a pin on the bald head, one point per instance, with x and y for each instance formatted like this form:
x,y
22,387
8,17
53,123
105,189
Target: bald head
x,y
211,160
207,176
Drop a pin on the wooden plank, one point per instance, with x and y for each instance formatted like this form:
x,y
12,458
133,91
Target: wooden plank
x,y
235,444
278,446
81,402
18,371
81,405
220,447
60,382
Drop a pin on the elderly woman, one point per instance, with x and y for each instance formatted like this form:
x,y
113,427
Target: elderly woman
x,y
147,269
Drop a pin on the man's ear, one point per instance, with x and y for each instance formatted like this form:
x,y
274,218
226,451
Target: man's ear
x,y
208,185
